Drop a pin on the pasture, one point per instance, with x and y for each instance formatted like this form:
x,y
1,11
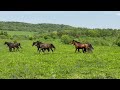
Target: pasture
x,y
63,63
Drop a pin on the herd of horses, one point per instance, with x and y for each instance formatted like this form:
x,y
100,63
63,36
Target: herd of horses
x,y
45,46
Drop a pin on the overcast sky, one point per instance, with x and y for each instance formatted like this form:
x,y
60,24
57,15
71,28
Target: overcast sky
x,y
89,19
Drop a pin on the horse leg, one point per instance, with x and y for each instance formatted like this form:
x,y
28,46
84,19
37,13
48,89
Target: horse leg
x,y
17,48
43,50
10,49
78,50
13,49
88,49
38,49
84,50
51,50
75,50
48,49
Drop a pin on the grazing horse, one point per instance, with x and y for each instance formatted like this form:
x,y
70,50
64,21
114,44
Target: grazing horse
x,y
43,46
84,47
13,46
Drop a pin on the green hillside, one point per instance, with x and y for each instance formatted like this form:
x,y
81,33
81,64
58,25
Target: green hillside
x,y
21,26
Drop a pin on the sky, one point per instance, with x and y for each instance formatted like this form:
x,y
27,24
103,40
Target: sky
x,y
88,19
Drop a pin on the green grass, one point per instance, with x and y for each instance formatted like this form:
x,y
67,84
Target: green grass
x,y
64,63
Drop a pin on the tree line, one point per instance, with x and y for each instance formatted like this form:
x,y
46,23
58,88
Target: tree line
x,y
57,31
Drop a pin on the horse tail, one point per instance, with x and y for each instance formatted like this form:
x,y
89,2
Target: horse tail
x,y
91,46
53,46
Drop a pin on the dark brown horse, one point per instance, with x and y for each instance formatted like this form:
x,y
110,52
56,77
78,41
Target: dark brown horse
x,y
84,47
43,46
13,46
17,46
37,45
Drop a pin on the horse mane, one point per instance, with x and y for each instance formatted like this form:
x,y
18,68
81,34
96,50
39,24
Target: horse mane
x,y
76,41
8,43
40,42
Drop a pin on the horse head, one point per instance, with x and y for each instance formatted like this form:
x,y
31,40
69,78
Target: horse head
x,y
36,43
33,43
5,43
72,42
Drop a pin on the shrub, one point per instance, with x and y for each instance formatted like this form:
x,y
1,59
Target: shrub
x,y
47,37
3,37
54,35
118,41
30,38
66,39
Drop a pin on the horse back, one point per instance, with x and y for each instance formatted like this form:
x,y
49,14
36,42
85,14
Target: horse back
x,y
44,45
80,45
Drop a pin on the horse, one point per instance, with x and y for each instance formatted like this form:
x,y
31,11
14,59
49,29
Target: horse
x,y
13,46
84,47
17,45
37,44
43,46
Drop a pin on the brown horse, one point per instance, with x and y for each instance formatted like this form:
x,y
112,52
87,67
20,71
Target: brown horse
x,y
13,46
84,47
43,46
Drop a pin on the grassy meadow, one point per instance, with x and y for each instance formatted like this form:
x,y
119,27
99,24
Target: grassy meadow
x,y
63,63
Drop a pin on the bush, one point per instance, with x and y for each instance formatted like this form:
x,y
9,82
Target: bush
x,y
3,37
66,39
54,35
47,37
118,41
30,38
